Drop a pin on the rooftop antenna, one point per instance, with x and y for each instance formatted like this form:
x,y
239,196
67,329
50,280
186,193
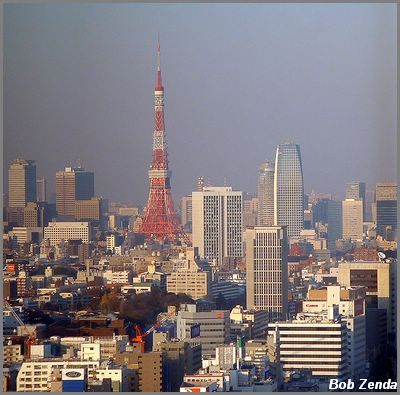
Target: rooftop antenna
x,y
200,183
381,255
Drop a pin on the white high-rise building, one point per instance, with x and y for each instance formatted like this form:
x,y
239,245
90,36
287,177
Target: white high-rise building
x,y
265,189
217,216
289,188
356,190
267,270
352,219
351,303
312,341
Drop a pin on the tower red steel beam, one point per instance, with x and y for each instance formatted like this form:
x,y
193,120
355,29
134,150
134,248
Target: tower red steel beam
x,y
160,221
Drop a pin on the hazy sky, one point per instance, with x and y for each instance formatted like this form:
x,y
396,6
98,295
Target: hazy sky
x,y
239,79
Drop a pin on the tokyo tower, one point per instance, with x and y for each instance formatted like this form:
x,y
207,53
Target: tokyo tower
x,y
160,221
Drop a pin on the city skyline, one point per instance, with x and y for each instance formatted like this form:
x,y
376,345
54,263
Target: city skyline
x,y
194,116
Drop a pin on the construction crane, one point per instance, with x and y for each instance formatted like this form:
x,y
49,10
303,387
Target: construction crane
x,y
31,334
139,335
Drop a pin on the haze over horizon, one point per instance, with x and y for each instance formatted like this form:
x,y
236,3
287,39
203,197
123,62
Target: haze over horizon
x,y
239,80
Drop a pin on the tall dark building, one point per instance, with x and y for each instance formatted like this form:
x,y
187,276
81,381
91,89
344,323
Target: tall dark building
x,y
41,189
334,214
72,184
386,209
320,211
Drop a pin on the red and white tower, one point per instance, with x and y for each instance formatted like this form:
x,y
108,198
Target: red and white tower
x,y
160,221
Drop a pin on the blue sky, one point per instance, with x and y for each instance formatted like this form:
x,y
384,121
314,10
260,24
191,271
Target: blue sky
x,y
239,79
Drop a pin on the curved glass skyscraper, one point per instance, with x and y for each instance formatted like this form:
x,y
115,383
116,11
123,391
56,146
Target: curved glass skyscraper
x,y
289,188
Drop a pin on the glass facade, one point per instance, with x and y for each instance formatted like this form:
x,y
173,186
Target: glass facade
x,y
289,189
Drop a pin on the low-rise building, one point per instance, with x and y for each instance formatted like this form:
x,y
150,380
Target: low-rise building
x,y
118,277
252,324
57,231
12,353
195,284
34,376
214,328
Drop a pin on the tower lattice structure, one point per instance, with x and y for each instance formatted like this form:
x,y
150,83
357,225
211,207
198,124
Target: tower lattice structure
x,y
160,221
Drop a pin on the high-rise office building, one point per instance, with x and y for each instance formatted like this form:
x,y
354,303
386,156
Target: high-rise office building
x,y
89,209
250,212
267,270
386,191
386,208
34,215
186,212
320,211
334,214
356,190
72,183
265,189
21,182
289,188
369,203
217,216
352,219
41,189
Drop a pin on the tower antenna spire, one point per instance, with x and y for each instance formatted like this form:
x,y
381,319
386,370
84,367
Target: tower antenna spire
x,y
160,221
159,81
158,53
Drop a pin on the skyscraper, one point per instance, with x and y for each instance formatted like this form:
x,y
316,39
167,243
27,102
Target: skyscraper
x,y
289,188
21,182
72,183
250,211
386,208
352,219
41,189
267,270
265,188
160,220
217,216
356,190
186,212
335,222
369,204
